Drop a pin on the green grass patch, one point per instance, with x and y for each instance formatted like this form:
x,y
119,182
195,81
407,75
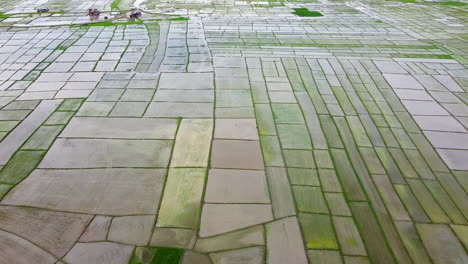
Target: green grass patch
x,y
115,4
424,56
304,12
450,3
461,59
405,1
379,21
179,19
155,255
61,47
4,16
21,164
